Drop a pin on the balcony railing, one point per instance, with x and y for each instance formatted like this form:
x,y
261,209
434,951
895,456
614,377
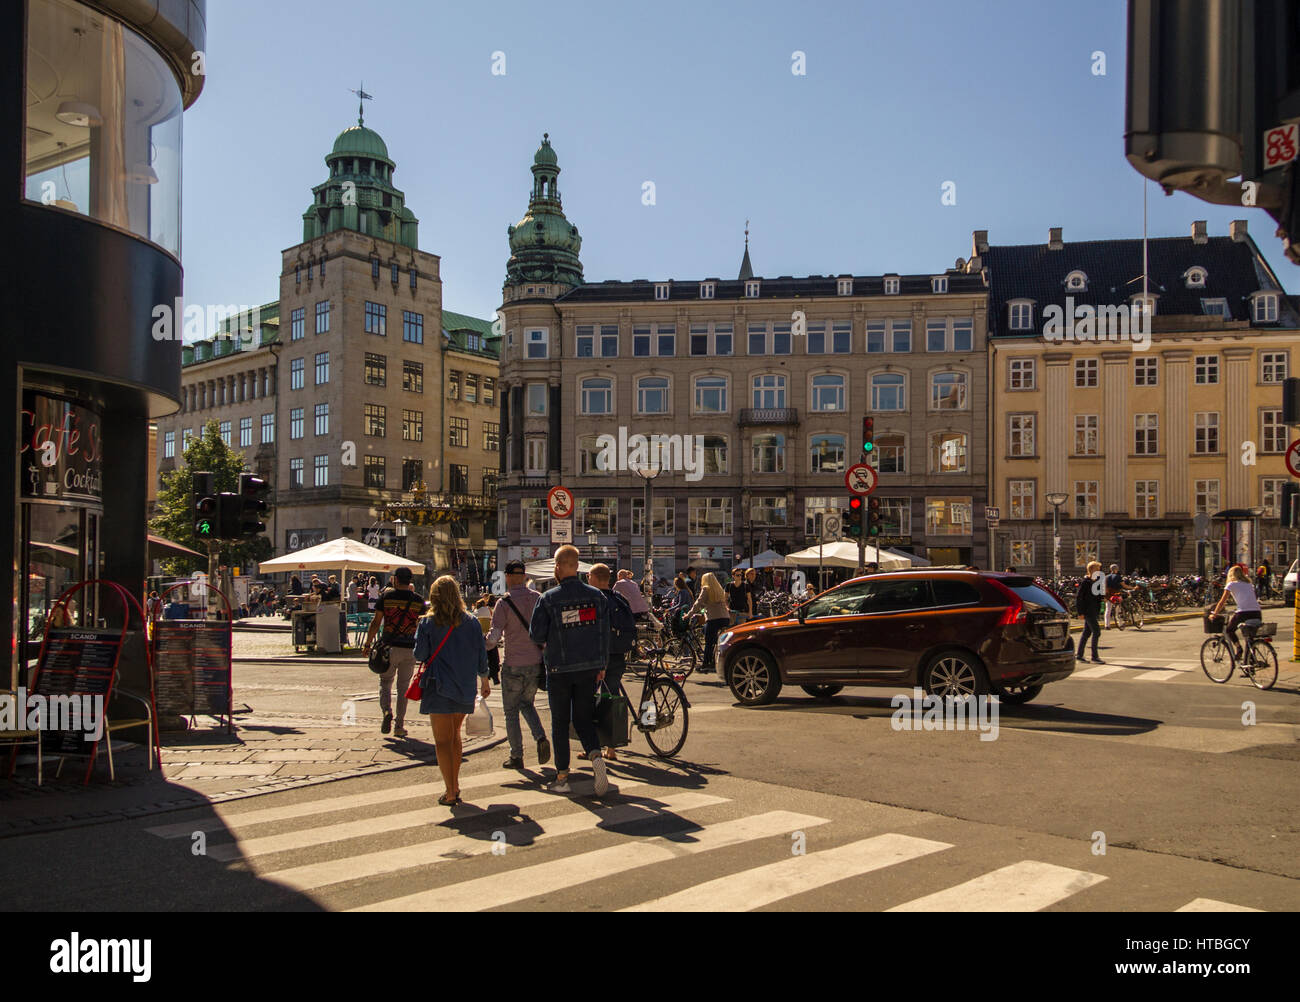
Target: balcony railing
x,y
769,416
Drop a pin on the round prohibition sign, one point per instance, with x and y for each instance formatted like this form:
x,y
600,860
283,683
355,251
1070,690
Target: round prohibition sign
x,y
1293,458
860,479
560,502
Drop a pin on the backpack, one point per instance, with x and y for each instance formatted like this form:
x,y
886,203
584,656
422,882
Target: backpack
x,y
622,624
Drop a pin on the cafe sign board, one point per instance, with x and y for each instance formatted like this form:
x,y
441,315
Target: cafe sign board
x,y
61,450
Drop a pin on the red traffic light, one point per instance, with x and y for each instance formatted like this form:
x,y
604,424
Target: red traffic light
x,y
855,503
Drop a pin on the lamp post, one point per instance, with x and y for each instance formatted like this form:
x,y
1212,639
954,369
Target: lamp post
x,y
647,472
1056,499
592,537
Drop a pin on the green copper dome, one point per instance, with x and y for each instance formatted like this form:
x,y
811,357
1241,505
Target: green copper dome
x,y
545,155
359,194
360,141
544,245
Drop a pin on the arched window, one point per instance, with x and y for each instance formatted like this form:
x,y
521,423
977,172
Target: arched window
x,y
598,396
827,454
948,391
891,454
589,452
888,392
1076,281
828,392
1196,277
948,452
769,453
711,394
769,391
652,395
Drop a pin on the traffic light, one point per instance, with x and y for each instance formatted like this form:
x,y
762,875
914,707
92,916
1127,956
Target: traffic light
x,y
869,438
1291,401
203,503
252,495
853,520
228,516
873,518
1290,506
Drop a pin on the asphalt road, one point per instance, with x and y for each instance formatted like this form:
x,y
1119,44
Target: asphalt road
x,y
801,805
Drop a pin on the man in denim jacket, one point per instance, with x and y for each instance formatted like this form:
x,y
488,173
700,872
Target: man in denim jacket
x,y
571,621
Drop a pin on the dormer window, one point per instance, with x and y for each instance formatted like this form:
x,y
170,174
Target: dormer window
x,y
1076,281
1216,308
844,287
891,285
708,290
661,290
1021,315
1195,277
939,285
1144,307
752,288
1266,307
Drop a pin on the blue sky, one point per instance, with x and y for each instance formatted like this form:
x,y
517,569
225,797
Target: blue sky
x,y
839,170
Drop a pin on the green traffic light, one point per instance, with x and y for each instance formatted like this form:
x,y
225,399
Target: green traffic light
x,y
204,528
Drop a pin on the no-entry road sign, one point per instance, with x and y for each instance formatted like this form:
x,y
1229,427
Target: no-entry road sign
x,y
560,502
1293,458
860,479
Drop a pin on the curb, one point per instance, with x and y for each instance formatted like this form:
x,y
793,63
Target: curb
x,y
307,660
1172,618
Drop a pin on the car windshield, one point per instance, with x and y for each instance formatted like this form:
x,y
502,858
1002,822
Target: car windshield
x,y
1031,594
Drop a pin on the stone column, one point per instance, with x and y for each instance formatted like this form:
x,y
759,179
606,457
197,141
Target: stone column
x,y
1116,432
1176,433
1239,424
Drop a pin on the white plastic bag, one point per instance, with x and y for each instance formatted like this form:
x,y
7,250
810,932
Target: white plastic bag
x,y
479,723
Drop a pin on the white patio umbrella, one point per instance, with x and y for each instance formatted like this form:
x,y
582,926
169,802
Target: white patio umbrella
x,y
768,558
845,554
342,555
916,561
545,569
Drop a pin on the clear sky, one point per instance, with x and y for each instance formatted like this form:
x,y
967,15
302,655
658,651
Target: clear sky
x,y
839,170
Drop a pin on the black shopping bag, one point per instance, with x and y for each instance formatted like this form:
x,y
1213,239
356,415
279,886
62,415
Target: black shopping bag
x,y
611,719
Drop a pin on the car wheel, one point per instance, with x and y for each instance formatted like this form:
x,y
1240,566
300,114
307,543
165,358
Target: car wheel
x,y
1018,693
955,673
754,678
821,691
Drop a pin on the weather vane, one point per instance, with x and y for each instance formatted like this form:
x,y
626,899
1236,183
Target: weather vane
x,y
363,97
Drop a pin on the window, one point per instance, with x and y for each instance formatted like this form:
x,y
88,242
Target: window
x,y
757,339
1207,433
295,423
1207,497
245,432
1087,499
295,473
376,371
939,285
769,392
661,290
948,391
752,289
1146,440
536,517
1146,372
666,341
268,429
891,454
1270,495
412,473
769,453
458,432
1146,498
322,367
1086,373
1087,435
224,431
412,426
767,511
322,415
711,394
891,285
1021,494
949,335
535,455
844,287
1274,437
875,338
297,323
412,327
715,455
1086,551
901,333
662,512
376,474
948,452
600,514
588,343
413,377
297,373
323,317
1021,435
321,467
491,436
1022,374
709,516
896,516
652,395
936,335
474,342
722,339
1274,367
396,275
374,269
1021,316
597,396
537,342
828,454
169,445
828,392
471,388
1022,552
948,516
1076,281
1216,308
489,390
1195,277
536,399
708,290
376,319
453,384
415,278
1266,308
888,392
376,420
963,335
1207,370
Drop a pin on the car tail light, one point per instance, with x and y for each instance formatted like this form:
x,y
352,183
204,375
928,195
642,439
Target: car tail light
x,y
1016,611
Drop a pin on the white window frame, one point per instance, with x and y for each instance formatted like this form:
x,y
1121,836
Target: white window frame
x,y
892,285
531,339
1148,423
546,395
1087,367
841,394
535,444
1216,306
1090,427
936,453
1211,491
1025,444
1207,422
844,286
752,288
696,407
1076,281
1265,308
1020,315
898,452
1017,369
1022,497
963,383
839,466
1147,490
902,394
1272,359
586,393
708,290
1090,492
939,285
662,290
780,385
1206,366
1149,367
666,389
1195,277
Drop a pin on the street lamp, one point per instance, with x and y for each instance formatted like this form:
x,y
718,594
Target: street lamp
x,y
647,472
593,537
1056,499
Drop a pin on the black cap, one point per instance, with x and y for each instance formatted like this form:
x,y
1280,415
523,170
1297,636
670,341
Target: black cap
x,y
403,574
516,567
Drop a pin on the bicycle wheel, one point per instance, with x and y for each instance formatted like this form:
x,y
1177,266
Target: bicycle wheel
x,y
1216,660
662,717
1134,615
1260,665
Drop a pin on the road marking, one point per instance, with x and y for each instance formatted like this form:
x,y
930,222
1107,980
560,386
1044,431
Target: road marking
x,y
764,885
1099,672
547,878
1027,886
1210,905
1160,676
314,876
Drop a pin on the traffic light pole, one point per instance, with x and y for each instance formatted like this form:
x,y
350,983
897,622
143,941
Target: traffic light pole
x,y
212,570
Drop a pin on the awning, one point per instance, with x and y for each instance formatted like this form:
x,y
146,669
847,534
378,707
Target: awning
x,y
160,548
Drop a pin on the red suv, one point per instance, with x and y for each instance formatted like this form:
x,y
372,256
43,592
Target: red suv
x,y
951,632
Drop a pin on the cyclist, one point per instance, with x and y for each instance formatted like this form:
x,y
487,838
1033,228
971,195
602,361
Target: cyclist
x,y
1115,586
713,603
1242,593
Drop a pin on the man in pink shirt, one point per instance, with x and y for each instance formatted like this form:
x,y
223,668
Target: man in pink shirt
x,y
520,666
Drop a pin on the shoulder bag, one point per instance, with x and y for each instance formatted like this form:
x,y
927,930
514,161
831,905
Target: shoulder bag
x,y
416,690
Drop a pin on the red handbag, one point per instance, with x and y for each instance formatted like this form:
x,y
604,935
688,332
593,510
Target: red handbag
x,y
416,688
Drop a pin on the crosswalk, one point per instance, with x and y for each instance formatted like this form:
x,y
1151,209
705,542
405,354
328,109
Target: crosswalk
x,y
729,845
1144,670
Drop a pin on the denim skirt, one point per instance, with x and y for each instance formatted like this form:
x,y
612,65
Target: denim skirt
x,y
433,702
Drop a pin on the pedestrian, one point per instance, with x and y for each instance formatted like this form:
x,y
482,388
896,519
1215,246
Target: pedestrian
x,y
713,603
740,598
635,598
351,595
1089,600
372,593
692,582
1263,585
1012,570
521,665
571,621
449,644
1114,586
622,638
809,592
483,613
871,568
1243,595
398,611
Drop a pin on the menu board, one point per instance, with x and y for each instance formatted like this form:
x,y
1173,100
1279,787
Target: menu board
x,y
78,664
192,665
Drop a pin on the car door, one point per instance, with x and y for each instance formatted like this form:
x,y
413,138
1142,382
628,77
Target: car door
x,y
824,646
897,623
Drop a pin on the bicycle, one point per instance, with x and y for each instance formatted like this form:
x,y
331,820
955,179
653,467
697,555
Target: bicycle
x,y
662,714
1127,613
1258,659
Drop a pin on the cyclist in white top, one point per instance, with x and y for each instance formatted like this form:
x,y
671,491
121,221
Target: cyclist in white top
x,y
1242,593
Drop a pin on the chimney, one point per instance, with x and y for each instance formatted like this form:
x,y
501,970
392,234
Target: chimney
x,y
1054,241
979,242
1237,230
1199,233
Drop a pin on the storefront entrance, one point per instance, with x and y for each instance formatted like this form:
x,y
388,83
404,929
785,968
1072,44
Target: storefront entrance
x,y
1146,557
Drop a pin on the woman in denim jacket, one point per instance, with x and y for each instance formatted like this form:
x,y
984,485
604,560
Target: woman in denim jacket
x,y
449,679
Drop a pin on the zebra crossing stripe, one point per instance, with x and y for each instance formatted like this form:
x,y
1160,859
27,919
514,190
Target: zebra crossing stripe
x,y
1210,905
1101,671
1027,886
1160,676
763,885
223,819
511,886
314,876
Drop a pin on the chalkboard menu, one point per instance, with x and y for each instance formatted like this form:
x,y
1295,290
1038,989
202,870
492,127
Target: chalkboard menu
x,y
76,667
192,666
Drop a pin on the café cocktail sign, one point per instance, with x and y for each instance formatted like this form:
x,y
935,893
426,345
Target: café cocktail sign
x,y
61,451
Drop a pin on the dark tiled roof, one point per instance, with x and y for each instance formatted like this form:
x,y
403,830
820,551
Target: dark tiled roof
x,y
784,287
1234,269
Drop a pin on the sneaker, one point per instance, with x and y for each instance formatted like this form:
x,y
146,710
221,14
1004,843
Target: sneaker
x,y
387,725
602,780
1098,661
513,763
561,785
543,751
399,732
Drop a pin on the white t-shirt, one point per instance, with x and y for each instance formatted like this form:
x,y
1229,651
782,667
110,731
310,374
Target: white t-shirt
x,y
373,591
1243,593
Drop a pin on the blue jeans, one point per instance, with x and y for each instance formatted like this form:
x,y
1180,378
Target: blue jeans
x,y
572,696
518,688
